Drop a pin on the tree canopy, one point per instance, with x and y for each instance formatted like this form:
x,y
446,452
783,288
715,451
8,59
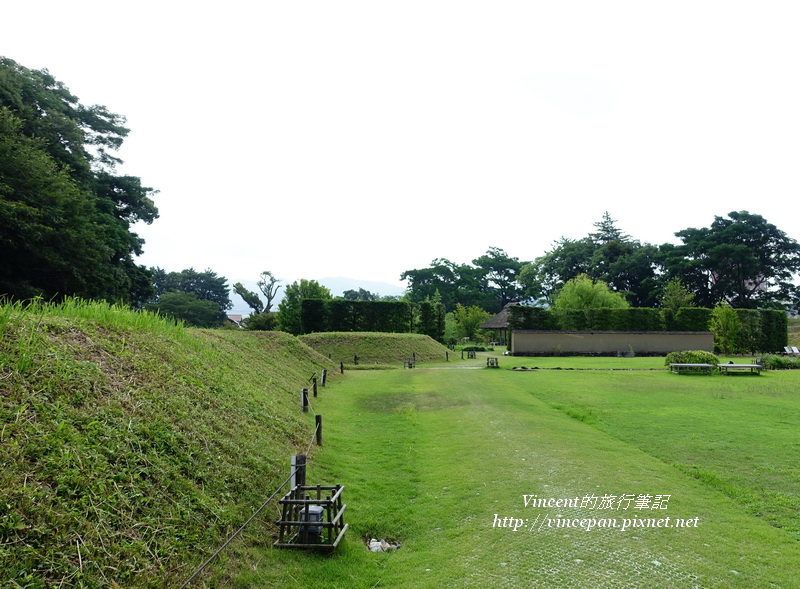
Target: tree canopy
x,y
609,255
65,215
582,292
290,306
268,285
198,298
489,283
743,260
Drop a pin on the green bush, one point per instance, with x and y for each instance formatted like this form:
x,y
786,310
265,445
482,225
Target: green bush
x,y
774,362
691,357
261,322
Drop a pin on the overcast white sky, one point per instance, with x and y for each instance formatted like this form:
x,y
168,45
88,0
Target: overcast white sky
x,y
362,139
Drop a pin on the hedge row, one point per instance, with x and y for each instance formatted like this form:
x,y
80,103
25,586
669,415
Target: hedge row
x,y
382,316
761,330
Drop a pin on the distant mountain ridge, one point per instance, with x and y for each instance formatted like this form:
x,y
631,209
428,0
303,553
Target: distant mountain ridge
x,y
337,285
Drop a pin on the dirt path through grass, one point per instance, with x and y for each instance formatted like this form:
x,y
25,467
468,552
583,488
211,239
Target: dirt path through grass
x,y
442,461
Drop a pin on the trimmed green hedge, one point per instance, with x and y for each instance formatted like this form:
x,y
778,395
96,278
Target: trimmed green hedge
x,y
342,315
762,330
774,330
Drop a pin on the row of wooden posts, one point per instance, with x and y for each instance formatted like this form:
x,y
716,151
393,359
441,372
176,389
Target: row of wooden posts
x,y
299,460
304,403
311,521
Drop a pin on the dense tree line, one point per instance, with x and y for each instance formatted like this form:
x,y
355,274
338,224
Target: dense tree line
x,y
197,298
742,260
489,283
65,216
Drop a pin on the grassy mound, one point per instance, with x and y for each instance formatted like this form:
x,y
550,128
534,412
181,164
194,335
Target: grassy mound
x,y
130,447
375,348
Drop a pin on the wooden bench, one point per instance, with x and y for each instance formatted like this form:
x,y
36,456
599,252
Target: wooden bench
x,y
749,368
694,368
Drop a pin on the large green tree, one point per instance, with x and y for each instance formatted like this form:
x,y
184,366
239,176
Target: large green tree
x,y
66,215
489,282
440,279
198,298
289,317
268,285
501,272
206,285
583,293
544,277
48,243
626,265
468,321
725,325
742,259
190,309
676,295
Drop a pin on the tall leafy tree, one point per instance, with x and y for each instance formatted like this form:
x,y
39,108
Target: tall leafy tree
x,y
489,283
725,324
607,231
45,221
582,292
206,285
198,298
268,285
676,295
187,307
252,299
607,254
501,272
468,320
440,279
742,259
544,277
289,319
72,145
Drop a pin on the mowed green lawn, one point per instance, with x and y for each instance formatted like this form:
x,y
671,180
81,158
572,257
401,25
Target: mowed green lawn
x,y
440,458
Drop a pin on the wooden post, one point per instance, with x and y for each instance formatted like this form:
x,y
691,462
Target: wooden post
x,y
324,376
314,385
341,367
304,399
446,356
318,419
298,470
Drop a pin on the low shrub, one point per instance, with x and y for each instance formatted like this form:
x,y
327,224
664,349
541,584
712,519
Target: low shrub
x,y
691,357
773,362
473,349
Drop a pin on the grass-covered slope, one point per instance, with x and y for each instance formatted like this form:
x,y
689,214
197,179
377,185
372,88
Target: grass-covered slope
x,y
376,348
131,448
